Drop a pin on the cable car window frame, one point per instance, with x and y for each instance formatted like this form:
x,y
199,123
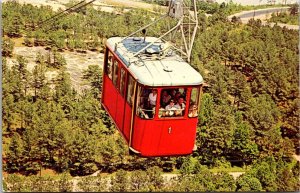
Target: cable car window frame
x,y
143,110
130,90
163,113
115,75
194,102
122,81
109,63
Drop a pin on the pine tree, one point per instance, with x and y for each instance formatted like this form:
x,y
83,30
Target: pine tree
x,y
120,182
7,47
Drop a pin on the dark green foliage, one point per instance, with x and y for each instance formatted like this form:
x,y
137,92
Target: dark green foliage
x,y
209,8
63,88
94,75
54,130
264,172
287,180
23,75
190,166
270,175
82,154
9,110
243,144
42,183
154,178
139,181
296,169
57,39
217,135
246,183
28,42
84,30
292,19
120,182
15,154
246,72
40,38
200,181
224,182
93,184
294,9
13,23
64,183
187,166
7,47
55,59
15,183
206,109
262,113
249,110
39,81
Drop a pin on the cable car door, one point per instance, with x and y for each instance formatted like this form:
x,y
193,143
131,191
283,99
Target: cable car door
x,y
120,102
177,131
176,137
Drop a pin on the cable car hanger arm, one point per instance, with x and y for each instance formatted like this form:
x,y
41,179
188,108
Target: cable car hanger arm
x,y
142,28
176,26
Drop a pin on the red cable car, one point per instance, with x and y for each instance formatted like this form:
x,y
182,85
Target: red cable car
x,y
152,95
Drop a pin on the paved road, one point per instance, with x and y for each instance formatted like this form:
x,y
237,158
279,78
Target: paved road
x,y
263,15
256,2
260,12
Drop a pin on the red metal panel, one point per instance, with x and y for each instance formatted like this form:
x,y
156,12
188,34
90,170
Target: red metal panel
x,y
110,103
127,118
138,133
177,136
105,95
165,137
120,107
110,96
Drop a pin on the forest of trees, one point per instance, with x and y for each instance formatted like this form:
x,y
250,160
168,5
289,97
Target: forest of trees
x,y
291,17
249,112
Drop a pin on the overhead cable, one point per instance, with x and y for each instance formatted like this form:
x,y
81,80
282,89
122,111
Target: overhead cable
x,y
66,12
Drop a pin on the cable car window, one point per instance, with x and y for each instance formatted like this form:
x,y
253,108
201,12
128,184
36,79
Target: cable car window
x,y
115,74
172,102
122,81
129,96
146,102
108,67
193,109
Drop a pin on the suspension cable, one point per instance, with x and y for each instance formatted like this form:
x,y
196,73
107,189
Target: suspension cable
x,y
66,12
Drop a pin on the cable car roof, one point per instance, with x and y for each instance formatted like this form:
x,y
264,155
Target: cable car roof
x,y
153,67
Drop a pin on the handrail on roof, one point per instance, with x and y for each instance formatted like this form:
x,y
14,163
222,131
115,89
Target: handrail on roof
x,y
141,29
178,24
188,43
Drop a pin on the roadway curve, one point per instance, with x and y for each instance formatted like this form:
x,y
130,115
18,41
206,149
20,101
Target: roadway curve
x,y
263,15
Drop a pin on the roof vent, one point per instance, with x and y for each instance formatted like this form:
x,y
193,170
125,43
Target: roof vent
x,y
151,51
166,68
137,39
166,49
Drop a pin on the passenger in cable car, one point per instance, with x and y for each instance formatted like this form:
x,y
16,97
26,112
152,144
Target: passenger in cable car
x,y
193,111
180,106
152,98
171,108
173,93
165,98
177,95
152,102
